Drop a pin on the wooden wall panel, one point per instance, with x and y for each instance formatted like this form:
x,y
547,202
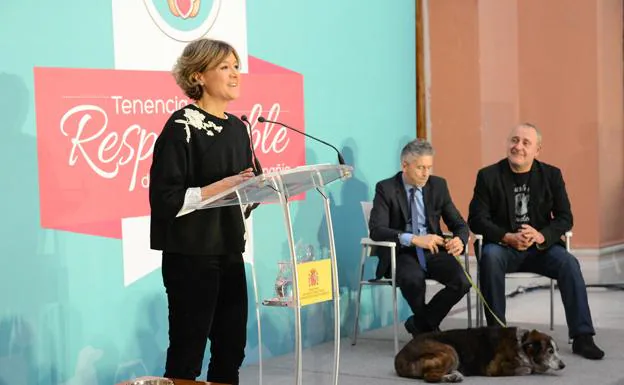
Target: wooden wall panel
x,y
421,118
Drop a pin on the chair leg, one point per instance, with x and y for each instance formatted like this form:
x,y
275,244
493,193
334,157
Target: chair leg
x,y
552,304
469,306
359,294
478,305
479,309
468,299
395,314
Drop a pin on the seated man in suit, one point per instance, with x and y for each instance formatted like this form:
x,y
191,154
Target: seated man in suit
x,y
407,210
521,208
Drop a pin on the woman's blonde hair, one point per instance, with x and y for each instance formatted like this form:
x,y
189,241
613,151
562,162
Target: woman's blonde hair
x,y
199,56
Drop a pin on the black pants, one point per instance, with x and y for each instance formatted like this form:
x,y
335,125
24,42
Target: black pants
x,y
554,262
441,267
207,297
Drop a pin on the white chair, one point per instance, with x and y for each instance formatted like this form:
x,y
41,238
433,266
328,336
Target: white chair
x,y
367,245
480,306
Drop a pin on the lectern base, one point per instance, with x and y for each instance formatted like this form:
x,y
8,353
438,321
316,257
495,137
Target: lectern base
x,y
278,302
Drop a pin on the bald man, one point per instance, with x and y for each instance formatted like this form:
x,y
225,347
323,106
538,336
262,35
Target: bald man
x,y
521,207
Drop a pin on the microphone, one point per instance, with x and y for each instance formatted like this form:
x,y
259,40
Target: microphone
x,y
253,153
261,119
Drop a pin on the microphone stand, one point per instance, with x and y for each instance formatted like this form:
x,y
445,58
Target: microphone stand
x,y
261,119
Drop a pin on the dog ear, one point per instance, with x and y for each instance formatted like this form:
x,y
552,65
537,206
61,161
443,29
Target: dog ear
x,y
532,346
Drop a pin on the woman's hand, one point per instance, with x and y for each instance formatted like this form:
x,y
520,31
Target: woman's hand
x,y
237,179
225,183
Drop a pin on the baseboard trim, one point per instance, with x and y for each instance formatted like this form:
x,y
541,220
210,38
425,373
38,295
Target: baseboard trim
x,y
617,248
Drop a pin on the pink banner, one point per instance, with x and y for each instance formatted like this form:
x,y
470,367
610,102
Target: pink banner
x,y
96,131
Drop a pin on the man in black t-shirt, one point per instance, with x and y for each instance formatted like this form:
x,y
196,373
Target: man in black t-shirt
x,y
521,207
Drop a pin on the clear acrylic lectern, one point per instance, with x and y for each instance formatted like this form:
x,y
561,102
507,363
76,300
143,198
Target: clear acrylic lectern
x,y
280,187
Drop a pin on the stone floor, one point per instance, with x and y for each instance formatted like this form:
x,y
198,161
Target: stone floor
x,y
371,360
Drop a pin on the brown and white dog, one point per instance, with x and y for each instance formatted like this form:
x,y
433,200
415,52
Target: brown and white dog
x,y
450,355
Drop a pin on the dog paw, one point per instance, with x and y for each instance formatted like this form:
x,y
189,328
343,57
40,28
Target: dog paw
x,y
454,376
523,371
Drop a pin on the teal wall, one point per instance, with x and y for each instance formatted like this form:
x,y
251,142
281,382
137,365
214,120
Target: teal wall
x,y
64,311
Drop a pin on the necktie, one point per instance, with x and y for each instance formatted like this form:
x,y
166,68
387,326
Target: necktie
x,y
415,230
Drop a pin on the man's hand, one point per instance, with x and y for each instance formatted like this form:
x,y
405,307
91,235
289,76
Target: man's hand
x,y
454,246
518,241
531,234
429,242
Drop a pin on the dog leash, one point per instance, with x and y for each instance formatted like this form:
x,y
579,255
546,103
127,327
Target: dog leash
x,y
487,306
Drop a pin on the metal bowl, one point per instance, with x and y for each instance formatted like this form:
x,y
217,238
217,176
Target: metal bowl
x,y
152,381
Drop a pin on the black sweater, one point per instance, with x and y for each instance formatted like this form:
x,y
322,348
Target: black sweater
x,y
196,149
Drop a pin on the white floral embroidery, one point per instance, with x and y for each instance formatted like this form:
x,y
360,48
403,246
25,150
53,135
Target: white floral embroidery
x,y
196,119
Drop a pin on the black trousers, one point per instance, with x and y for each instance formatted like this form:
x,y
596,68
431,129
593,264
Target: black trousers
x,y
207,297
441,267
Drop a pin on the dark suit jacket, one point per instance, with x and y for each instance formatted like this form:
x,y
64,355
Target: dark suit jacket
x,y
390,214
492,209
